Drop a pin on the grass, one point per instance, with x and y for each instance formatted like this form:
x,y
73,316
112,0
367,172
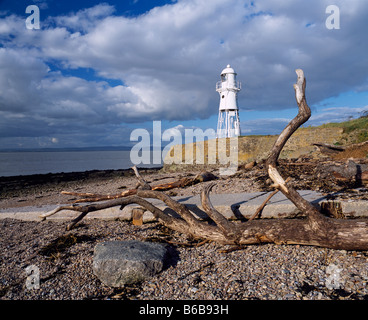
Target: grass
x,y
357,127
349,126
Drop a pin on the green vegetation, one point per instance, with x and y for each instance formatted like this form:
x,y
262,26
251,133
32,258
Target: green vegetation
x,y
351,125
356,128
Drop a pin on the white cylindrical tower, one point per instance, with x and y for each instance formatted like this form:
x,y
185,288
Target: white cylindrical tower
x,y
228,122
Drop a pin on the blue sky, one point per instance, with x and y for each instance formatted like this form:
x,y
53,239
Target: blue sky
x,y
96,70
129,8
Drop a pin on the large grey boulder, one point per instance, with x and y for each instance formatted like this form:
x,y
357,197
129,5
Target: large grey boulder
x,y
117,263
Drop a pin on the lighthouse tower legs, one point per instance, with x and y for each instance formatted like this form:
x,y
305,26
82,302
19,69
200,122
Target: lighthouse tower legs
x,y
228,125
228,122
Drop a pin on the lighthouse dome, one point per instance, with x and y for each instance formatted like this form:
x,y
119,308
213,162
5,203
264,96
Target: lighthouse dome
x,y
228,70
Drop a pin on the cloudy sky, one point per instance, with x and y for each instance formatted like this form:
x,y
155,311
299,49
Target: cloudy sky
x,y
94,71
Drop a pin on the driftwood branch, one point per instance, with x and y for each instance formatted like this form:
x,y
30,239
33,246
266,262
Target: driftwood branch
x,y
261,207
230,230
142,182
91,197
181,183
316,229
329,148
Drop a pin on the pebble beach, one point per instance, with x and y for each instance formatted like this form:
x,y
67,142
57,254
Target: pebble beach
x,y
196,270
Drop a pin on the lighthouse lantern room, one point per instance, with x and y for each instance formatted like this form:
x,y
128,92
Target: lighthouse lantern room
x,y
228,121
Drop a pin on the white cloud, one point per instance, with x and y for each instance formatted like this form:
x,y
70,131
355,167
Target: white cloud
x,y
177,132
169,60
85,19
42,4
319,117
336,114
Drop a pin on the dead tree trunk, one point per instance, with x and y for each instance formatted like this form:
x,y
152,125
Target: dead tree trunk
x,y
316,229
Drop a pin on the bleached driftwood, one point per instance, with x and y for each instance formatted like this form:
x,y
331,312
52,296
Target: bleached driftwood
x,y
316,229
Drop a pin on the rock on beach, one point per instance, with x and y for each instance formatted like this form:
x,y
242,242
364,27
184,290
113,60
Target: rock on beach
x,y
117,263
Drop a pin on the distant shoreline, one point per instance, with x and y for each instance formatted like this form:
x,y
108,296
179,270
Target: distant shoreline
x,y
66,149
75,149
36,179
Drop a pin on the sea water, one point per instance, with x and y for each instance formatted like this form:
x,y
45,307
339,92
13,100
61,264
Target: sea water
x,y
39,162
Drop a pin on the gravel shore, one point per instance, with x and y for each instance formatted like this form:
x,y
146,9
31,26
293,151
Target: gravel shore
x,y
204,271
196,270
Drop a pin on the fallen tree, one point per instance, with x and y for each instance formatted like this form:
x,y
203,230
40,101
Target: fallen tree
x,y
316,229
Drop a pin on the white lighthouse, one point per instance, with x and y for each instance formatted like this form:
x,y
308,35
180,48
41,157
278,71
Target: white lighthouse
x,y
228,121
